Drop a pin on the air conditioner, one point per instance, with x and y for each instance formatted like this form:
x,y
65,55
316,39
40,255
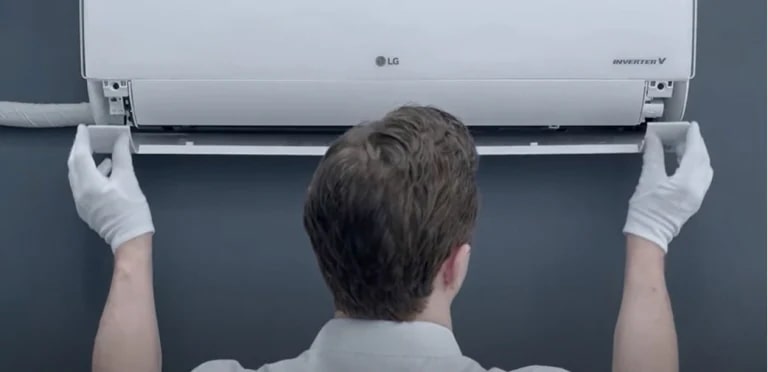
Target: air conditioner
x,y
286,77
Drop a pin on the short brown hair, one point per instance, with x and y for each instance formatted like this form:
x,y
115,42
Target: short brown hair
x,y
387,204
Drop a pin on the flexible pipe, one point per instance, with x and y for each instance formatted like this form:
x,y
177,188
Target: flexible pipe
x,y
44,115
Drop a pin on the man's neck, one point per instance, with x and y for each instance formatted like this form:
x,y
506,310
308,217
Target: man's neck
x,y
440,315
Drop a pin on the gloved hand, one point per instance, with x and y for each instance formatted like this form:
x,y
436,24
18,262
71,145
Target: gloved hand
x,y
112,205
661,204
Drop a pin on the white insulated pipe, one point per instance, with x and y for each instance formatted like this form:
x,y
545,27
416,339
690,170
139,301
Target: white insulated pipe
x,y
44,115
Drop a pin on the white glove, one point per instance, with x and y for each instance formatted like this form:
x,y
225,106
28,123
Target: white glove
x,y
661,203
112,205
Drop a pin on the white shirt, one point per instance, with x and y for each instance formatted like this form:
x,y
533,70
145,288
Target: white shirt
x,y
347,345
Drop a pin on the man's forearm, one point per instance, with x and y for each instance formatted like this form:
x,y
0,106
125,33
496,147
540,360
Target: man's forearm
x,y
128,338
645,337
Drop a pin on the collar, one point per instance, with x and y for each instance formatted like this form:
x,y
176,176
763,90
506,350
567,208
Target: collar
x,y
386,338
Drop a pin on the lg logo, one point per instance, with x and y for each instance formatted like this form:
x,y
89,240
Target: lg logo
x,y
382,61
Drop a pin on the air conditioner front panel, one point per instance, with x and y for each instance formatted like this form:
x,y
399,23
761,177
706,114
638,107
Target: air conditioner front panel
x,y
426,39
346,103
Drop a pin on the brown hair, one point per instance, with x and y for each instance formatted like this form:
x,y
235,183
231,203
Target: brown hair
x,y
386,206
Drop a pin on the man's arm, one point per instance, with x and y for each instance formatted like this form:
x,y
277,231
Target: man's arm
x,y
128,338
108,198
645,338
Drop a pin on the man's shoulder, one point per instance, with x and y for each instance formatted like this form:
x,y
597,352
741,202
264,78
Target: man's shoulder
x,y
466,364
222,365
229,365
533,369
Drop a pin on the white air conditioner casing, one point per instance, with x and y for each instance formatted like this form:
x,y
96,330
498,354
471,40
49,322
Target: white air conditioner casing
x,y
284,77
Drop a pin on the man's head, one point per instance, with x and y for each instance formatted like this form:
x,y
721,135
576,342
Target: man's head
x,y
390,211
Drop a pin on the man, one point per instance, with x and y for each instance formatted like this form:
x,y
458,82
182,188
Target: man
x,y
390,213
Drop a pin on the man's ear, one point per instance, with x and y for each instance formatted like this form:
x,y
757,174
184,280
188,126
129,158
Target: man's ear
x,y
455,268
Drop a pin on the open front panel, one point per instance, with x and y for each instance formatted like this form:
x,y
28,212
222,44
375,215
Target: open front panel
x,y
345,103
570,141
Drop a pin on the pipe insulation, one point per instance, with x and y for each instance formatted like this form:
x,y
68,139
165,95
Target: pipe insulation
x,y
44,115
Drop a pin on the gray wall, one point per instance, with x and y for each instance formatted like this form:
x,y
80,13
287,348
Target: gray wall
x,y
235,277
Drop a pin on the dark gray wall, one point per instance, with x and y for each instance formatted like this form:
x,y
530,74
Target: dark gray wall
x,y
235,277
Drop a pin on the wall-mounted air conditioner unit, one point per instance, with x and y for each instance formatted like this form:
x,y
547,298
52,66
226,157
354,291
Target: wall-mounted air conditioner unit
x,y
286,77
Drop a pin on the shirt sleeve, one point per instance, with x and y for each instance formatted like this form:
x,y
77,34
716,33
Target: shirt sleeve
x,y
224,365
